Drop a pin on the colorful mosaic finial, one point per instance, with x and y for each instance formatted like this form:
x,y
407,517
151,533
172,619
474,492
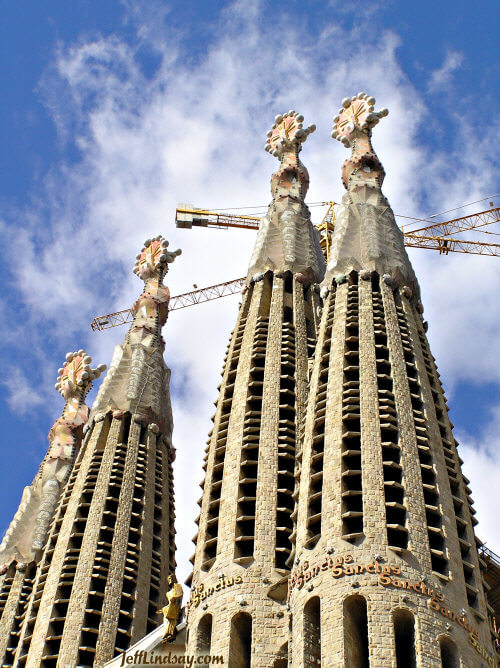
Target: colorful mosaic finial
x,y
27,533
154,258
356,113
76,375
138,379
287,134
353,128
366,237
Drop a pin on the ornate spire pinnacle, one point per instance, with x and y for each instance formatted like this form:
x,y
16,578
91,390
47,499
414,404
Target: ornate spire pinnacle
x,y
137,381
366,236
76,376
287,240
154,258
287,134
27,533
353,128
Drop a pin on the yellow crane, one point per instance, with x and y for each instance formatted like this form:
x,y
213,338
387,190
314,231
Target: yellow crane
x,y
178,301
435,236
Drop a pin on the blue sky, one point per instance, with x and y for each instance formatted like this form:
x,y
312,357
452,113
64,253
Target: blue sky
x,y
113,112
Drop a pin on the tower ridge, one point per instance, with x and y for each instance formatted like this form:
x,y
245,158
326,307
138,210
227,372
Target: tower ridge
x,y
366,236
26,535
286,240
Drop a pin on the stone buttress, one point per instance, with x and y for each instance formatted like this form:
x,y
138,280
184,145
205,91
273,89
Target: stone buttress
x,y
386,571
245,541
102,573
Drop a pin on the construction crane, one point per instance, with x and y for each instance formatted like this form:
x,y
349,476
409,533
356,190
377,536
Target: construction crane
x,y
435,236
177,302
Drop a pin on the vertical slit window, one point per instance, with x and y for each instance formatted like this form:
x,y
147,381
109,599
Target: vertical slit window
x,y
458,487
450,656
404,637
204,635
240,641
318,435
394,491
22,602
286,448
247,488
312,633
219,441
433,511
355,633
352,491
163,510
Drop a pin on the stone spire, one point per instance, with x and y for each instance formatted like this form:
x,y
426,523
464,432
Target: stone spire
x,y
286,240
366,236
138,378
102,572
385,552
245,541
27,533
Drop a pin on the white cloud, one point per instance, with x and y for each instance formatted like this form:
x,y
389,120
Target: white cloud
x,y
194,132
442,77
22,395
482,467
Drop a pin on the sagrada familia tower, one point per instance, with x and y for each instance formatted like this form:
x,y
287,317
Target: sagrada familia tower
x,y
336,528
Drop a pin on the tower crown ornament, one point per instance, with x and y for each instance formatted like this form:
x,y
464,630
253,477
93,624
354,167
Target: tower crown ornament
x,y
137,381
353,128
357,113
27,533
286,240
154,258
287,134
76,375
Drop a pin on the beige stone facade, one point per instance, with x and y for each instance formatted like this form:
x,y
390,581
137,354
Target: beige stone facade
x,y
382,567
387,564
245,542
101,577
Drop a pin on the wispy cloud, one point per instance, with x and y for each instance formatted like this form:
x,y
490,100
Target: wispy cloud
x,y
482,467
23,397
442,77
193,131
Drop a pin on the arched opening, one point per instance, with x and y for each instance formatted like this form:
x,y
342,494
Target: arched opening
x,y
355,632
450,657
204,634
404,635
312,633
281,660
240,643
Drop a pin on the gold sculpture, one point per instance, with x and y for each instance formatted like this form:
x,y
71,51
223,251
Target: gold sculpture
x,y
172,611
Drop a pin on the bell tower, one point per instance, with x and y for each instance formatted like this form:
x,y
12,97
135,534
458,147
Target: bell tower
x,y
101,574
387,571
245,541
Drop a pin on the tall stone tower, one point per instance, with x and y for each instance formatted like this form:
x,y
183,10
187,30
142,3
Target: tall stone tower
x,y
387,571
245,542
27,534
97,579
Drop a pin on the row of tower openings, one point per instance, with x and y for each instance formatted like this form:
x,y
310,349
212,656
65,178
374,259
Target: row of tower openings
x,y
385,304
462,501
390,431
356,638
287,424
161,490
